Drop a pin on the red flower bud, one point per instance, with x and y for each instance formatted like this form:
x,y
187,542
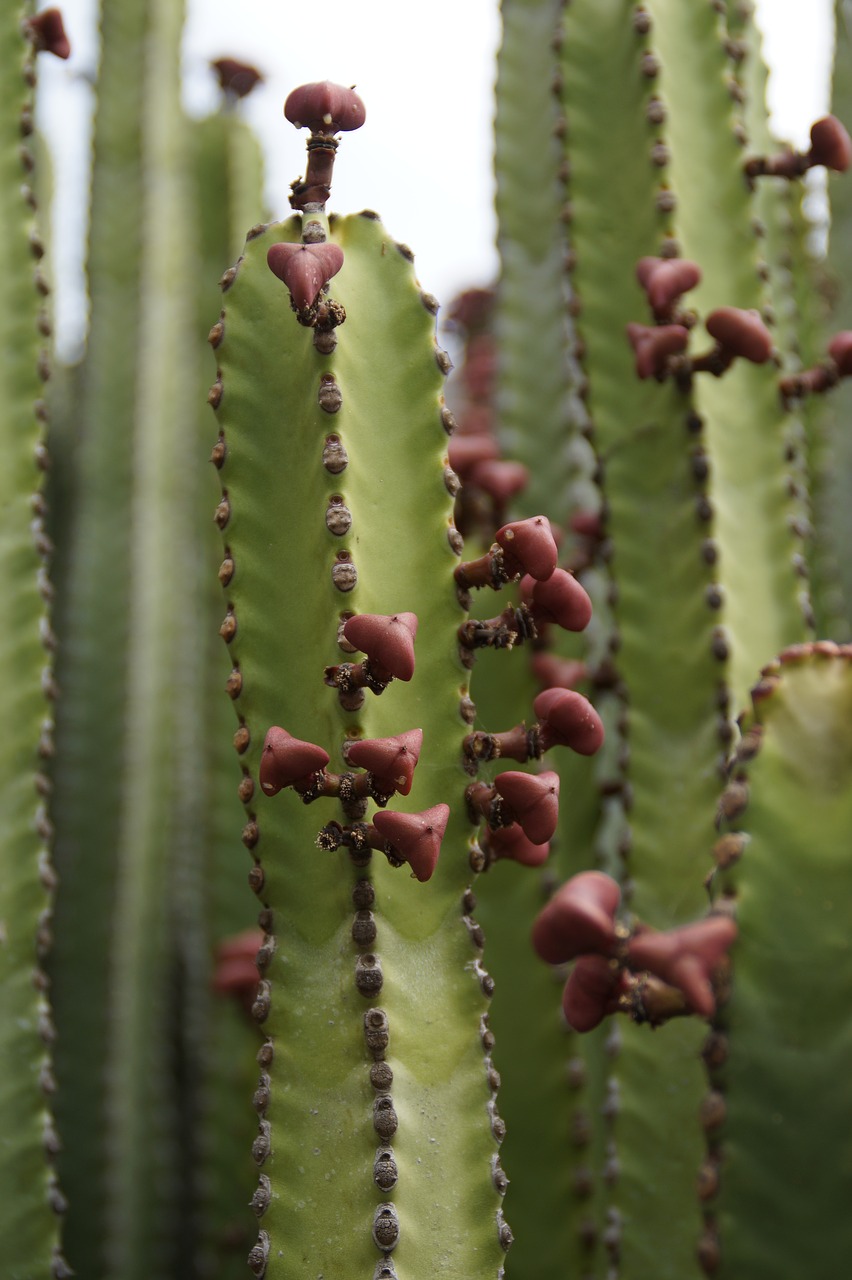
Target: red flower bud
x,y
557,673
390,760
579,918
465,451
533,799
569,720
840,350
47,32
387,640
286,760
528,547
741,333
325,108
830,144
665,279
686,957
415,837
560,599
653,344
587,524
236,971
305,268
510,842
591,993
236,78
499,478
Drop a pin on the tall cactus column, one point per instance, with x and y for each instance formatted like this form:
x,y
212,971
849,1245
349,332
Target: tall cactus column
x,y
779,1170
377,1139
30,1195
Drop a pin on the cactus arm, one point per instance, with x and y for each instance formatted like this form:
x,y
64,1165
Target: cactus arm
x,y
534,381
819,415
784,1178
219,1041
153,840
92,671
285,607
615,91
764,608
539,419
28,1223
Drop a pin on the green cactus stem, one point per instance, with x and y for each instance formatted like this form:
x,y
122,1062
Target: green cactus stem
x,y
31,1197
375,1071
92,670
777,1176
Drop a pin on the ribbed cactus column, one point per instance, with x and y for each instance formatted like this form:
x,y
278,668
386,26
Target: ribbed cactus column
x,y
552,1081
377,1139
30,1196
93,669
162,772
779,1174
669,665
220,1042
753,448
833,509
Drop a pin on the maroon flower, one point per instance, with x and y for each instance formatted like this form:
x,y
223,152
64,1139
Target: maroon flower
x,y
686,957
568,719
528,547
325,108
391,760
666,279
560,599
305,269
591,992
415,837
236,78
511,842
236,972
286,760
386,639
653,344
47,32
533,799
579,918
740,333
840,350
830,144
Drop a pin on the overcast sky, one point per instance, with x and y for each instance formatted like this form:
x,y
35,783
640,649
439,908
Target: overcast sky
x,y
426,73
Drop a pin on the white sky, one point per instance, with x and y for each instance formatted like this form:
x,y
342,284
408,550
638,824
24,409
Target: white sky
x,y
425,72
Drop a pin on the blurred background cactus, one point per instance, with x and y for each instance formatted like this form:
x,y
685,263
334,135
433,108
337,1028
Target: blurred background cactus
x,y
309,1033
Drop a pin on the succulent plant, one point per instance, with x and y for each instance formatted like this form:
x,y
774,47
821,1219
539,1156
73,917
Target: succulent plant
x,y
450,810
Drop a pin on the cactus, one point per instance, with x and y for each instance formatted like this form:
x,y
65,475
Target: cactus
x,y
451,809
